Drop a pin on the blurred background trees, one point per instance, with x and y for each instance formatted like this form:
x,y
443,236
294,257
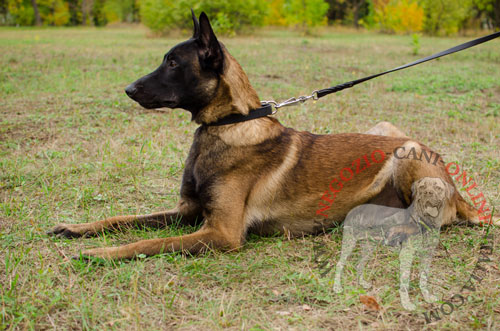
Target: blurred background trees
x,y
435,17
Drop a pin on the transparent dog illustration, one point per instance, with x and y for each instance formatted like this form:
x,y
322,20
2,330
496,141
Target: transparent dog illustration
x,y
413,230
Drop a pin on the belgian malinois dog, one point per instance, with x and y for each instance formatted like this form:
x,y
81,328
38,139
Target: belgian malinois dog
x,y
257,175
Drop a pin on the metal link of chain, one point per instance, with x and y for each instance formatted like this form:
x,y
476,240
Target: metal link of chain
x,y
291,102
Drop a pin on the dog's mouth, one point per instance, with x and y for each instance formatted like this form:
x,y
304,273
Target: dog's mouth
x,y
431,209
154,105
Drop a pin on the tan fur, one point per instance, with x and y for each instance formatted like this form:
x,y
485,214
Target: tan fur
x,y
246,133
386,129
260,176
234,95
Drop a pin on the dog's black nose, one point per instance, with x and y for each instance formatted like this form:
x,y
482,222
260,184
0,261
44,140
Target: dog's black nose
x,y
130,90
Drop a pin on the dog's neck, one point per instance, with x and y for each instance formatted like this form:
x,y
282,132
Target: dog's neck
x,y
234,94
422,220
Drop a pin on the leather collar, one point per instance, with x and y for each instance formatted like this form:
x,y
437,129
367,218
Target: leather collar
x,y
265,110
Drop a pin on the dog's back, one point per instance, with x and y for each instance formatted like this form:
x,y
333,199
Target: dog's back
x,y
373,216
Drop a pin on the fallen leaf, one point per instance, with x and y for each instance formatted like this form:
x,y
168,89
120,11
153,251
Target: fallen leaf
x,y
369,302
306,307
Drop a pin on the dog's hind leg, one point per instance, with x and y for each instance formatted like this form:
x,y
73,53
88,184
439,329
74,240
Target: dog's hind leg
x,y
429,244
348,244
367,249
185,213
386,129
406,259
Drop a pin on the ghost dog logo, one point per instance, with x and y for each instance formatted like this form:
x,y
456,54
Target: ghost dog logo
x,y
457,300
414,230
372,225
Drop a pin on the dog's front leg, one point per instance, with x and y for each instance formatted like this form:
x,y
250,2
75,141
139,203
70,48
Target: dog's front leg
x,y
348,244
201,240
367,249
427,251
223,229
406,259
186,212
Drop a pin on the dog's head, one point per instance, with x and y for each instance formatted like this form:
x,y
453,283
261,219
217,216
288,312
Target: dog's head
x,y
194,75
430,196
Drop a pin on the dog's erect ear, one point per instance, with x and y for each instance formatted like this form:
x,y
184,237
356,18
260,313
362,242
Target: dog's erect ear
x,y
196,31
414,186
211,55
449,190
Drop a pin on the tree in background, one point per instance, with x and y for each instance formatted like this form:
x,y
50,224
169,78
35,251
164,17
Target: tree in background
x,y
121,11
21,11
226,16
351,12
337,11
435,17
38,20
54,12
97,13
75,13
86,9
490,9
303,14
446,17
306,14
162,15
3,12
403,16
275,15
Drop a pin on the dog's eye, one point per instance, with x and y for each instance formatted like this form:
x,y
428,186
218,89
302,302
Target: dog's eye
x,y
172,64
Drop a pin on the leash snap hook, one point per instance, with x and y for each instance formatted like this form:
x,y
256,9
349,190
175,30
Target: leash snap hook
x,y
290,102
314,95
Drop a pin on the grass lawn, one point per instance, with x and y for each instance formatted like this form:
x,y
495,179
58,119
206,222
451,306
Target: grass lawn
x,y
74,148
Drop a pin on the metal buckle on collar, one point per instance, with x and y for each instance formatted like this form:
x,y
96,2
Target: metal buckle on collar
x,y
291,102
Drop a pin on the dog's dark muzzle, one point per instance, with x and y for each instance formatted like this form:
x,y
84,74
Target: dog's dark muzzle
x,y
150,93
131,90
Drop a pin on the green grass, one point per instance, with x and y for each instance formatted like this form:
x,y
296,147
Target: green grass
x,y
74,148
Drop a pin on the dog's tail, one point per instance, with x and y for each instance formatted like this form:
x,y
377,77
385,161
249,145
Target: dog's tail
x,y
467,212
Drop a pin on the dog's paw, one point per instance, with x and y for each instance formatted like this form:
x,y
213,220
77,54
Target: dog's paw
x,y
337,288
108,253
69,231
395,239
100,253
429,298
365,284
91,256
408,305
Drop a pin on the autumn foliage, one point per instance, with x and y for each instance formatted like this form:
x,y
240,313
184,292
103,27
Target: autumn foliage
x,y
434,17
402,16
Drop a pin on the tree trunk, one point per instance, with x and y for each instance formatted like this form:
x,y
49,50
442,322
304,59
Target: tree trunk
x,y
357,7
496,14
38,20
86,11
84,14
